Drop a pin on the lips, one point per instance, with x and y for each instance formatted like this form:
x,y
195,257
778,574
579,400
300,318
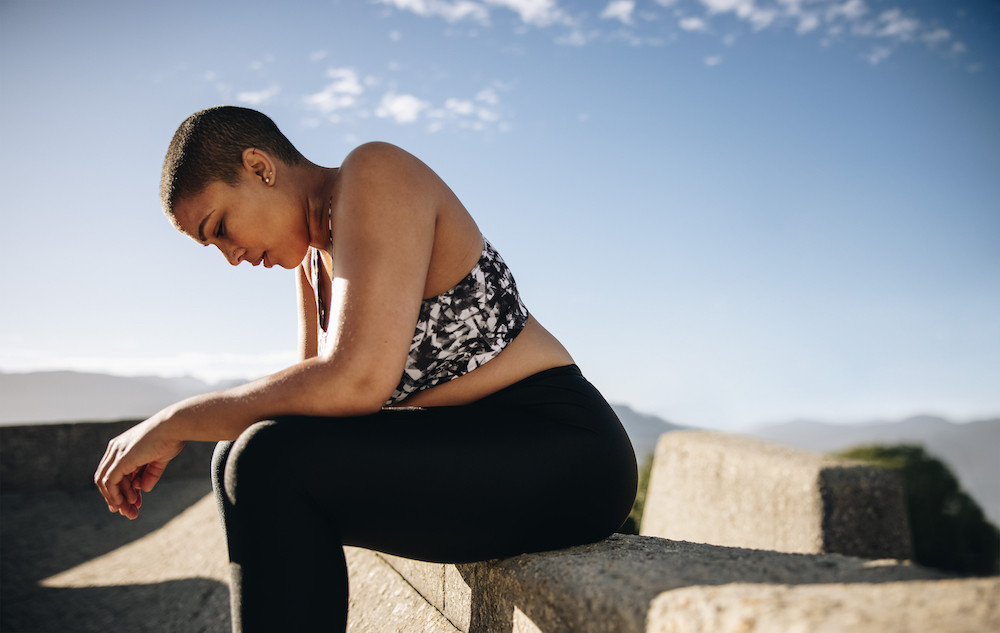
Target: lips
x,y
267,262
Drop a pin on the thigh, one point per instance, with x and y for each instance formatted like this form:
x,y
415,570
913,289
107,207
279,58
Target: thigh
x,y
452,483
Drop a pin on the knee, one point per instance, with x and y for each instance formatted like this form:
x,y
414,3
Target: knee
x,y
219,458
253,462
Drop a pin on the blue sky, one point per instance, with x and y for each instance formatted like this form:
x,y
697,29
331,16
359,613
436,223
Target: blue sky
x,y
731,211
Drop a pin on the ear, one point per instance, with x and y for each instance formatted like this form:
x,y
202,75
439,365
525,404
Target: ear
x,y
259,166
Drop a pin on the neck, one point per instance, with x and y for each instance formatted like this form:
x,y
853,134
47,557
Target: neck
x,y
318,184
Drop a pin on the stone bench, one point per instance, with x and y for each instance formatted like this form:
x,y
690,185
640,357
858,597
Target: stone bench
x,y
724,489
639,584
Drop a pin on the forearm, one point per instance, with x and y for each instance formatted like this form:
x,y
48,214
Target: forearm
x,y
311,387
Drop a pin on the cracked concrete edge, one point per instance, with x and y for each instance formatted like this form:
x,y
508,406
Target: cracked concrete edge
x,y
382,601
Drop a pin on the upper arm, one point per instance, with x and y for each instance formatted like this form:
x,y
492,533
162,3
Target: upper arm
x,y
384,226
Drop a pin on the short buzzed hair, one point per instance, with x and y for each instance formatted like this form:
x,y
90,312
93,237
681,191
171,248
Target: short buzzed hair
x,y
208,147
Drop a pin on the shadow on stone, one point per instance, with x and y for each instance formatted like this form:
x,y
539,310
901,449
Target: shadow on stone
x,y
47,532
183,606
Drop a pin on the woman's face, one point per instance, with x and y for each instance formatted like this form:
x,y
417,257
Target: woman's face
x,y
250,222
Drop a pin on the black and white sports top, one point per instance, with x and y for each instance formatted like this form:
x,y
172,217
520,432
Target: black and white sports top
x,y
458,330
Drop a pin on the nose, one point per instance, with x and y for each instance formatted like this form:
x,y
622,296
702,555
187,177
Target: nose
x,y
234,256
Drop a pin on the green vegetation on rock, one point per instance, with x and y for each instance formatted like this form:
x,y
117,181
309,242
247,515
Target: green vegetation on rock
x,y
634,520
948,528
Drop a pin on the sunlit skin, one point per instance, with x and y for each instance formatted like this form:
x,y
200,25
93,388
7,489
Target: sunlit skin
x,y
399,236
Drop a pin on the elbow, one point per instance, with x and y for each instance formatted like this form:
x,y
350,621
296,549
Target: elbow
x,y
364,394
361,405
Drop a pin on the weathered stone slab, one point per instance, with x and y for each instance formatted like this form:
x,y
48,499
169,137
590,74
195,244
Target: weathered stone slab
x,y
383,602
931,606
724,489
634,584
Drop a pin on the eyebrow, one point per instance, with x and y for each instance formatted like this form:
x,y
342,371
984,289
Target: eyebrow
x,y
201,227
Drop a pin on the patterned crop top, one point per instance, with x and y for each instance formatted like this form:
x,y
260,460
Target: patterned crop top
x,y
458,330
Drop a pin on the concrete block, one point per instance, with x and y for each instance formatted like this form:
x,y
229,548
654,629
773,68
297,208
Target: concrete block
x,y
442,586
724,489
457,598
426,578
635,584
382,601
932,606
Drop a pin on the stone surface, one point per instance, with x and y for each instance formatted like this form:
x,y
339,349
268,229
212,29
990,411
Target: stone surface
x,y
942,606
723,489
383,602
635,584
69,565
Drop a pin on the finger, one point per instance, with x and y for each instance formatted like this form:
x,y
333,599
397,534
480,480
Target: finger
x,y
126,490
151,476
137,478
108,478
129,511
99,477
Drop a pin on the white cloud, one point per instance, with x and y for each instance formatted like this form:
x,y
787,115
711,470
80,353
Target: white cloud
x,y
936,36
454,11
258,97
619,10
341,93
488,95
723,6
897,25
575,37
714,60
744,9
318,56
849,10
349,95
487,115
693,24
460,107
807,22
401,108
878,55
533,12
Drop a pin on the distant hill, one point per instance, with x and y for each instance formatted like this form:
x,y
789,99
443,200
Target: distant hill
x,y
70,396
643,430
971,450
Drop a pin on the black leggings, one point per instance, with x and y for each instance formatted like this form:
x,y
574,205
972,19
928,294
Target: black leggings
x,y
540,465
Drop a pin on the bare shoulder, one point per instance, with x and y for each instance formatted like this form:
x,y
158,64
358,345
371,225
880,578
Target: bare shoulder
x,y
378,158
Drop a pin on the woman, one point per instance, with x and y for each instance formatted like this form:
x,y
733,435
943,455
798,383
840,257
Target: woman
x,y
430,416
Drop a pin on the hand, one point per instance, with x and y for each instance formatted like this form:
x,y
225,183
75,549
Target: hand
x,y
134,463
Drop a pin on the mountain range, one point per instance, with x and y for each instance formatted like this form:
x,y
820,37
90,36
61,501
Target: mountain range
x,y
971,450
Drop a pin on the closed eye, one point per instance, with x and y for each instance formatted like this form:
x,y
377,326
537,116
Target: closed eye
x,y
220,230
